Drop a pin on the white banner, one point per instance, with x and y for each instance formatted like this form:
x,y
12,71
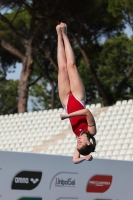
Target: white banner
x,y
26,176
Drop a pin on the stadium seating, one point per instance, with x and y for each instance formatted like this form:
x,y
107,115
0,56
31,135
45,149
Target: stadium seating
x,y
44,132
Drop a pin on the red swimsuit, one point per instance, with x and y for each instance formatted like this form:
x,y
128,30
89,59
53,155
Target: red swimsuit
x,y
78,123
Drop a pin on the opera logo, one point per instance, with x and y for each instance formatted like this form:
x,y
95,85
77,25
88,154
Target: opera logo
x,y
99,183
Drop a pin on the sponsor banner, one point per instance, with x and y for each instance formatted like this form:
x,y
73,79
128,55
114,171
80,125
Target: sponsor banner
x,y
99,183
64,179
60,179
26,180
30,198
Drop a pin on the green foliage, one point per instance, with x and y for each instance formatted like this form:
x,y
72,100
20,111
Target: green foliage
x,y
88,21
41,95
122,9
118,6
115,61
8,96
16,28
91,90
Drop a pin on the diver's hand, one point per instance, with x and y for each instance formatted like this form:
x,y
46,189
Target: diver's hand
x,y
63,116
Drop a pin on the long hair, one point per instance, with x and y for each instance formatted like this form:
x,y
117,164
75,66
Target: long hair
x,y
87,149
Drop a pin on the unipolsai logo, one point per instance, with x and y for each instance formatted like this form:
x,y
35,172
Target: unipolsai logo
x,y
26,180
63,179
61,182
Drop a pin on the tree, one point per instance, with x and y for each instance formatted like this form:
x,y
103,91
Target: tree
x,y
116,67
87,22
28,33
87,33
113,62
8,96
18,51
122,9
18,31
